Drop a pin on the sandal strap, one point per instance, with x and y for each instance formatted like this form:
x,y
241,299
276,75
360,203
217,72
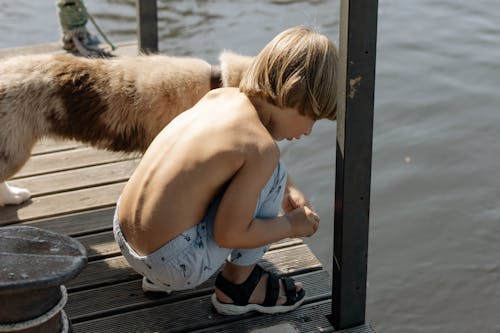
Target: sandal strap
x,y
290,291
273,290
240,293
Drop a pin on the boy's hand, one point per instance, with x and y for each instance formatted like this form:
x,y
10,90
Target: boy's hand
x,y
303,221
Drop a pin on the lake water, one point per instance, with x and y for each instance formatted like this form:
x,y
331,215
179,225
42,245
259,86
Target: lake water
x,y
434,256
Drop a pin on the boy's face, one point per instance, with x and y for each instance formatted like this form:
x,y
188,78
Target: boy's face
x,y
288,123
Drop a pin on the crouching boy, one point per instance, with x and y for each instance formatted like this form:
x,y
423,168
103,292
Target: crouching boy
x,y
209,189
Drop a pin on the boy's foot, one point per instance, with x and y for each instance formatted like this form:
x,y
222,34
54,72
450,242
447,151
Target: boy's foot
x,y
262,292
149,286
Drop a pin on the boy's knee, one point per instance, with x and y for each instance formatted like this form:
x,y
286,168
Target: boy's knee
x,y
271,196
279,181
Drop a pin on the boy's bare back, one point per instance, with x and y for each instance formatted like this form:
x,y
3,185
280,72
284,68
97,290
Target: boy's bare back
x,y
221,140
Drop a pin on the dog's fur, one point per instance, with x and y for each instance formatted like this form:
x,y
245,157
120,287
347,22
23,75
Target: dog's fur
x,y
118,104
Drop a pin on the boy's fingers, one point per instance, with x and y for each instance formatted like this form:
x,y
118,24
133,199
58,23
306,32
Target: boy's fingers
x,y
315,226
310,206
316,216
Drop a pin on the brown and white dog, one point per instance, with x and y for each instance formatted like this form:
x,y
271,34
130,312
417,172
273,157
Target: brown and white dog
x,y
119,104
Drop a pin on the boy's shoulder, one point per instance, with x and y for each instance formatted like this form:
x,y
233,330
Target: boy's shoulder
x,y
227,96
230,108
236,123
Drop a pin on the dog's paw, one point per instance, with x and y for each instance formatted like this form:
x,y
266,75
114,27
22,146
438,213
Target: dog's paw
x,y
11,195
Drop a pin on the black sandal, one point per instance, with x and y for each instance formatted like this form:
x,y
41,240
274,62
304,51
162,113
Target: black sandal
x,y
240,294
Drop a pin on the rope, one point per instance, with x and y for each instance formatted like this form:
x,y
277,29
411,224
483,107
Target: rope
x,y
42,318
73,16
65,322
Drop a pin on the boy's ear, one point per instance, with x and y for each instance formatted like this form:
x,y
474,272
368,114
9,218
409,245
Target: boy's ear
x,y
233,67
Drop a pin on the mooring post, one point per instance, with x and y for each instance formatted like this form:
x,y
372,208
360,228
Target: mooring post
x,y
147,25
357,50
35,263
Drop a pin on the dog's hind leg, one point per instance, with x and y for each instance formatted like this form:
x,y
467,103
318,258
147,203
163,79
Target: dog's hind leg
x,y
11,161
9,165
11,195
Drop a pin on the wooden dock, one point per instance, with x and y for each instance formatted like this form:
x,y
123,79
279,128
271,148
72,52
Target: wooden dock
x,y
75,188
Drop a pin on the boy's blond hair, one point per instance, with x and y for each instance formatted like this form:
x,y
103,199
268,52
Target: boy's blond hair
x,y
298,68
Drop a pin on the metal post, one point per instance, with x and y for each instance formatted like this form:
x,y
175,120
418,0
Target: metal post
x,y
358,35
147,25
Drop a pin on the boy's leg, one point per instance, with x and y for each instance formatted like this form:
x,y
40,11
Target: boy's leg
x,y
268,206
240,267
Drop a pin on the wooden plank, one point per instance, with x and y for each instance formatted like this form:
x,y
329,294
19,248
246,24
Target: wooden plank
x,y
104,272
78,178
100,245
122,297
62,203
67,160
46,146
358,35
197,313
307,318
115,270
78,224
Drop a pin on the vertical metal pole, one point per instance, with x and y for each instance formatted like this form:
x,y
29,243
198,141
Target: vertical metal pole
x,y
147,25
358,35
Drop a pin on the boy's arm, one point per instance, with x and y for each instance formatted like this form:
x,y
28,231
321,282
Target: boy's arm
x,y
235,226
